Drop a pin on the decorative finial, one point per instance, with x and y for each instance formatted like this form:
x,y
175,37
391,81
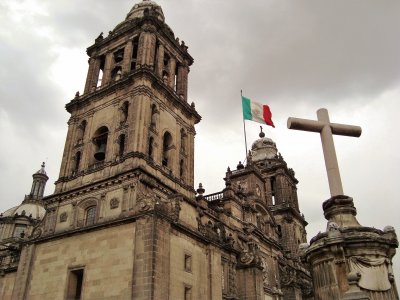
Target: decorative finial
x,y
200,190
262,134
43,164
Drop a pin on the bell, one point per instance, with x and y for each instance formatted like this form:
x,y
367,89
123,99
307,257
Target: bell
x,y
101,152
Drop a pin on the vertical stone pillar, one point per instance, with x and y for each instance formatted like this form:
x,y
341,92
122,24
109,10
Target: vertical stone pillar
x,y
141,50
152,259
160,60
171,71
20,290
107,68
190,158
89,77
126,66
87,149
151,49
250,283
181,89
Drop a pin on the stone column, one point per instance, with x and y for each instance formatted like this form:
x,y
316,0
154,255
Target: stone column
x,y
151,49
171,71
107,68
89,77
126,66
160,61
141,50
181,89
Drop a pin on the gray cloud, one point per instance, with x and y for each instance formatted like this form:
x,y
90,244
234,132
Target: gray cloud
x,y
295,56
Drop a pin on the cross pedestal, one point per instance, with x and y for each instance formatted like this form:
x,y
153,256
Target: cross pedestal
x,y
326,130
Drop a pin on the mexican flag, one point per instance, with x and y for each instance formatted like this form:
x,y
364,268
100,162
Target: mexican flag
x,y
256,112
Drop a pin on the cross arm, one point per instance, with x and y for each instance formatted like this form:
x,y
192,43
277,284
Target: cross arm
x,y
317,126
305,125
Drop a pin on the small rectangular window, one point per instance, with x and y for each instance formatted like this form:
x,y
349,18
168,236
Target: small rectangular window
x,y
188,263
188,293
75,284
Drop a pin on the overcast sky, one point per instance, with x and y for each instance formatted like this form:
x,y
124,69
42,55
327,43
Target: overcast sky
x,y
295,56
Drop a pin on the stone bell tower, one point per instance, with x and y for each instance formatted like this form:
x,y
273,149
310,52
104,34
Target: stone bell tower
x,y
134,112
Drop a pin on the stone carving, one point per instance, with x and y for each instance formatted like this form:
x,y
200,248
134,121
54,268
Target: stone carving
x,y
375,274
63,217
250,254
114,203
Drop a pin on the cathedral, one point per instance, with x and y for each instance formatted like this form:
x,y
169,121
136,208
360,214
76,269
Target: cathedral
x,y
126,222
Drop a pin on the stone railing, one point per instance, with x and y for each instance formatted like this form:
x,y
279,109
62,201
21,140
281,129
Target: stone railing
x,y
215,196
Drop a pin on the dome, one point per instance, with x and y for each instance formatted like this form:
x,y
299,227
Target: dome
x,y
263,148
36,210
140,9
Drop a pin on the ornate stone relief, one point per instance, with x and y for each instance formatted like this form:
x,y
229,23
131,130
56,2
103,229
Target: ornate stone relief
x,y
114,203
63,217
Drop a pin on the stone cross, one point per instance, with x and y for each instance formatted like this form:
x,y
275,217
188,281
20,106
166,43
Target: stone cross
x,y
326,129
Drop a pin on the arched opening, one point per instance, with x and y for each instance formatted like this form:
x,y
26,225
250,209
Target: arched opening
x,y
102,61
154,112
181,168
273,190
151,147
78,156
135,43
100,141
183,140
81,131
116,73
121,143
90,215
124,112
167,146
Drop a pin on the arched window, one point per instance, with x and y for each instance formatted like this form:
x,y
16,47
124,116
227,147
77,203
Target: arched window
x,y
100,141
167,146
90,215
121,143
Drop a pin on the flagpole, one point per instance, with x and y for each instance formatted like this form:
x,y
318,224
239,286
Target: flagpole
x,y
244,128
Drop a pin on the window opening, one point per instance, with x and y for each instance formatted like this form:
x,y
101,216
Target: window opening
x,y
100,140
150,151
90,215
75,284
167,144
81,131
188,263
116,73
77,161
188,293
121,144
19,230
181,168
273,190
124,112
101,71
119,55
135,43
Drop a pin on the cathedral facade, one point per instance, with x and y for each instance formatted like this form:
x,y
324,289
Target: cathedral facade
x,y
125,220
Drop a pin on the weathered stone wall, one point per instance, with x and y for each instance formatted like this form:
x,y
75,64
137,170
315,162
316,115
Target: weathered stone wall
x,y
204,271
6,285
107,258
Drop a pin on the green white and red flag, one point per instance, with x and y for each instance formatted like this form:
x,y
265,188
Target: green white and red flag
x,y
256,112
